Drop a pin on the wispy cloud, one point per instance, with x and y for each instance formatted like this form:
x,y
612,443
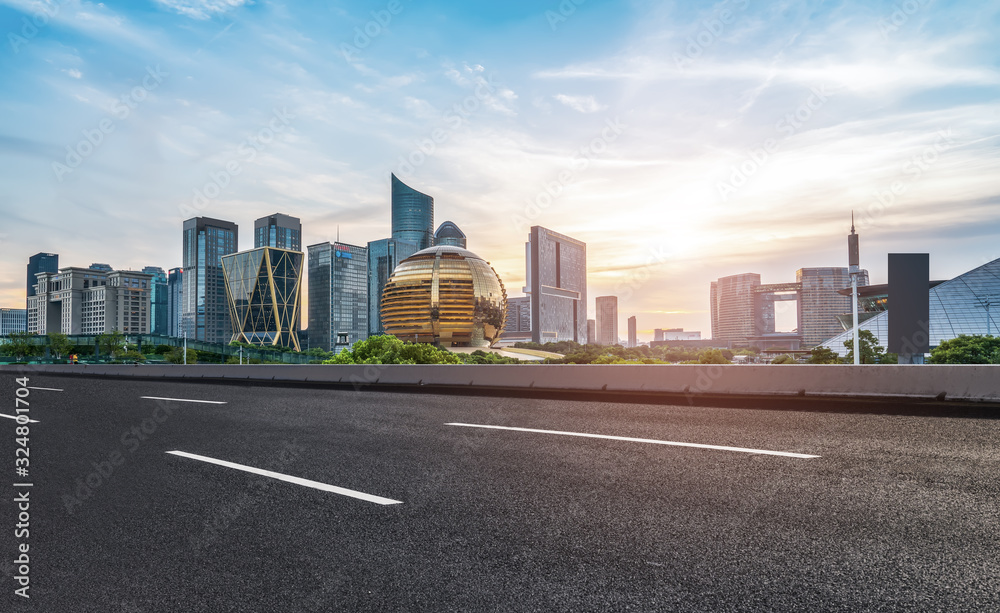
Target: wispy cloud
x,y
202,9
583,104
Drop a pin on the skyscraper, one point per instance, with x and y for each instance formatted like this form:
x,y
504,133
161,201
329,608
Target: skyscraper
x,y
591,331
338,295
450,234
518,322
733,302
158,300
633,340
263,289
383,257
412,215
607,320
40,262
278,230
819,302
175,301
206,312
557,285
12,320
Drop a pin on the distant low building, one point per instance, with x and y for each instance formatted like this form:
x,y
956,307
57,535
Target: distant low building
x,y
12,320
90,301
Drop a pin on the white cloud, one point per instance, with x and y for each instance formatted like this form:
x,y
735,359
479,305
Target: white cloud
x,y
583,104
73,72
202,9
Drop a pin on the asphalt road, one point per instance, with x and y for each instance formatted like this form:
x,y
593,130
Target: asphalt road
x,y
897,512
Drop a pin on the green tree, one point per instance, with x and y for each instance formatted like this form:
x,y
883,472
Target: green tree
x,y
712,356
823,355
112,343
783,359
387,349
20,345
176,356
871,351
967,349
60,344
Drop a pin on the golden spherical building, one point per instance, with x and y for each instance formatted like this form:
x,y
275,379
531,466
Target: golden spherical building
x,y
446,295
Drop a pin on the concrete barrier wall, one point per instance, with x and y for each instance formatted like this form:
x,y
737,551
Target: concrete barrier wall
x,y
973,382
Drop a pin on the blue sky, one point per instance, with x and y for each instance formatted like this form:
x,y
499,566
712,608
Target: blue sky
x,y
681,141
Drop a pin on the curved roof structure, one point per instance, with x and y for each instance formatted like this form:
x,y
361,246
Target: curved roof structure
x,y
450,234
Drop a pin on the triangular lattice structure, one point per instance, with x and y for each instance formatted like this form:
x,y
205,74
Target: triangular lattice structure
x,y
263,288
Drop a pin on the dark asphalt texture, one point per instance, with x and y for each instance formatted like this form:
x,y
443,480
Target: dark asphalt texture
x,y
900,512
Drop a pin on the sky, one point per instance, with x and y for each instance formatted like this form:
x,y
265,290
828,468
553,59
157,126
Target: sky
x,y
682,141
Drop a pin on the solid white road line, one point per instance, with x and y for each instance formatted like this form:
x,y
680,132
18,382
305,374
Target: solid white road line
x,y
643,440
185,400
30,421
47,389
290,479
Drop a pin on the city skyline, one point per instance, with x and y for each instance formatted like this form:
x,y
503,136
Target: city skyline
x,y
812,111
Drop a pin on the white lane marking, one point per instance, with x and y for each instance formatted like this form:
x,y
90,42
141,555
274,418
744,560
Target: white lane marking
x,y
47,389
185,400
30,421
290,479
643,440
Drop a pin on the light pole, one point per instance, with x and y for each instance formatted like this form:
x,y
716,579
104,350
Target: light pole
x,y
185,348
854,261
986,302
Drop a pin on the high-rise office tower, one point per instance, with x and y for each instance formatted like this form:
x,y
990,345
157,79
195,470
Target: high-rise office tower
x,y
557,284
278,230
383,257
591,331
158,300
633,340
607,320
338,295
88,301
733,307
40,262
175,301
518,316
263,288
819,302
206,310
412,215
450,234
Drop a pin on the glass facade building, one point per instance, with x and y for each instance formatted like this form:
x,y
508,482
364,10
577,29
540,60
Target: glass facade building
x,y
175,301
450,234
206,312
633,339
338,295
557,285
278,230
158,298
13,320
412,215
968,304
263,288
383,258
607,320
40,262
445,295
820,301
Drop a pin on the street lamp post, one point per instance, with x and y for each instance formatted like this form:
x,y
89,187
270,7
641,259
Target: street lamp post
x,y
185,348
854,261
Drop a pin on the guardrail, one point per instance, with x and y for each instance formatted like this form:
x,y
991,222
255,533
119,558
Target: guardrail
x,y
941,382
